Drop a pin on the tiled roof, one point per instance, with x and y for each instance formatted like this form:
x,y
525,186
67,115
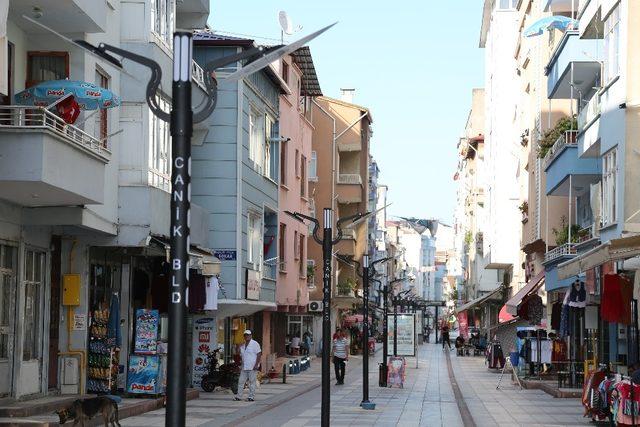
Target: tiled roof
x,y
310,84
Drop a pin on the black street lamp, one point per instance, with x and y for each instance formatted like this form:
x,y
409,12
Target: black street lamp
x,y
368,270
327,241
181,119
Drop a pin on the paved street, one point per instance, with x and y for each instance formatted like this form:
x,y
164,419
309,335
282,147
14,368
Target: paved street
x,y
426,400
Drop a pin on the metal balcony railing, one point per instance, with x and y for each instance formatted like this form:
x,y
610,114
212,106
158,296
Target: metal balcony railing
x,y
349,178
568,249
567,139
16,117
589,112
197,75
269,268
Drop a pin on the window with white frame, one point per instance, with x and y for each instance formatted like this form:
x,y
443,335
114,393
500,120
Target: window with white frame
x,y
254,239
256,139
612,45
271,148
160,148
296,245
507,4
609,176
313,167
162,19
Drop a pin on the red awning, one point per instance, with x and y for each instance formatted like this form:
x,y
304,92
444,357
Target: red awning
x,y
532,286
504,316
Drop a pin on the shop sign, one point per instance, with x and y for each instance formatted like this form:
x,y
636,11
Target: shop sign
x,y
204,342
79,322
406,334
463,324
225,255
143,375
396,371
253,284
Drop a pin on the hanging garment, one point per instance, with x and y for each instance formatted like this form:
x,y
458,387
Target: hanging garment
x,y
556,312
559,351
113,325
212,286
535,309
523,309
197,296
590,282
626,292
564,322
577,295
611,300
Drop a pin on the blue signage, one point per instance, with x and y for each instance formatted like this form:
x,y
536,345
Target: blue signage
x,y
225,255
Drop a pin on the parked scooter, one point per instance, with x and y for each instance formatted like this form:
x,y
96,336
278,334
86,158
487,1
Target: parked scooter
x,y
225,376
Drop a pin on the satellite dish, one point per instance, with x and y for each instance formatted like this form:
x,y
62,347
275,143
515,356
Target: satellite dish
x,y
285,22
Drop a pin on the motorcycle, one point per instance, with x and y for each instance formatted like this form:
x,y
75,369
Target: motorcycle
x,y
225,376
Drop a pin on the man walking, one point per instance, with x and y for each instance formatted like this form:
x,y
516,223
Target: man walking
x,y
340,352
251,353
445,336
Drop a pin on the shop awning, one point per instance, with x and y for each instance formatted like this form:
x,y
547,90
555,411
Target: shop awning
x,y
478,301
613,250
532,286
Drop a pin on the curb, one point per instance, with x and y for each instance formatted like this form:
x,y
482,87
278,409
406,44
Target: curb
x,y
465,414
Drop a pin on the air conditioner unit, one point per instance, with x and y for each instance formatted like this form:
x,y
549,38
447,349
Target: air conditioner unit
x,y
314,306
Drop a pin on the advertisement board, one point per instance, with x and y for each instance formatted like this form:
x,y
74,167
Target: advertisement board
x,y
406,334
204,341
463,325
143,375
146,340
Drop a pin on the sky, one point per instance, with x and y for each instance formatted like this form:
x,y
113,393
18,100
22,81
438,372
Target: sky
x,y
413,63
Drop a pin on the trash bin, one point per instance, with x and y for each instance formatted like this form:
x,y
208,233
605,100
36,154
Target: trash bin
x,y
382,375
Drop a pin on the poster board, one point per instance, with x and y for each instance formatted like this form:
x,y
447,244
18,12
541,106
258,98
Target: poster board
x,y
144,375
146,339
204,341
396,367
406,334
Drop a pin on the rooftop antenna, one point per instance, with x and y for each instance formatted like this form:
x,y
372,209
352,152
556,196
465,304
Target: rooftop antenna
x,y
286,25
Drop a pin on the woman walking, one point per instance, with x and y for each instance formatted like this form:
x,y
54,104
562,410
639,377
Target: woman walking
x,y
340,352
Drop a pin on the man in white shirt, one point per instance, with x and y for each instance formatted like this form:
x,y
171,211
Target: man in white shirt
x,y
251,353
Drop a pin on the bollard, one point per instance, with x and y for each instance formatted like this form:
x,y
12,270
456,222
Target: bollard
x,y
284,373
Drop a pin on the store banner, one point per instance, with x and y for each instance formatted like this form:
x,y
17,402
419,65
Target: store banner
x,y
406,334
204,341
147,322
463,325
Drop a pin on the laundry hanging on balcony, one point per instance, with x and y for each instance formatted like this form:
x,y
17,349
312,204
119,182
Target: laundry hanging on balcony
x,y
87,95
557,22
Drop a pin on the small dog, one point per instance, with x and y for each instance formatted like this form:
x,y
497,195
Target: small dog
x,y
83,409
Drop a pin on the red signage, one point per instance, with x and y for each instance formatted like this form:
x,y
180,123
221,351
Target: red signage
x,y
463,325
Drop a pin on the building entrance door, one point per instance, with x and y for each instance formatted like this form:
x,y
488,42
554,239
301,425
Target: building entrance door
x,y
8,261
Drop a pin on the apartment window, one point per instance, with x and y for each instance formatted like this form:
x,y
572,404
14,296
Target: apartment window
x,y
296,245
313,167
612,45
303,262
508,4
162,17
34,268
43,66
271,148
256,139
283,163
254,239
8,260
160,148
285,71
297,163
102,80
609,176
282,246
303,176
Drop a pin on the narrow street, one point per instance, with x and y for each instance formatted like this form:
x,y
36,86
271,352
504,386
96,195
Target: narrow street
x,y
427,399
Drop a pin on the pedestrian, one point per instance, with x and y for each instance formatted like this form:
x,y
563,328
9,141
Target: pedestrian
x,y
250,353
340,353
295,345
445,336
306,343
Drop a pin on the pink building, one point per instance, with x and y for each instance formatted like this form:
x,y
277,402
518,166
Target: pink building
x,y
297,168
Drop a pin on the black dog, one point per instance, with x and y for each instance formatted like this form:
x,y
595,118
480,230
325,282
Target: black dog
x,y
83,409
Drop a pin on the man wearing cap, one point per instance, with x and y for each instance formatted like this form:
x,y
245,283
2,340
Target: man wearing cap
x,y
250,353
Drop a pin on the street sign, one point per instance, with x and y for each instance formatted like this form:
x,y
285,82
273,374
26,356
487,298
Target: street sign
x,y
225,255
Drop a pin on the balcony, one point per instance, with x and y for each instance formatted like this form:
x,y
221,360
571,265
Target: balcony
x,y
589,125
567,174
269,268
71,16
574,67
589,113
192,13
350,179
349,188
47,162
562,251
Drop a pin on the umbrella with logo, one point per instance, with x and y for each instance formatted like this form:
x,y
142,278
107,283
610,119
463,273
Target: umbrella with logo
x,y
558,22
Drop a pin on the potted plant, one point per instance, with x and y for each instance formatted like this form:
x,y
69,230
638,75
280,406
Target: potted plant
x,y
562,235
346,286
551,136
